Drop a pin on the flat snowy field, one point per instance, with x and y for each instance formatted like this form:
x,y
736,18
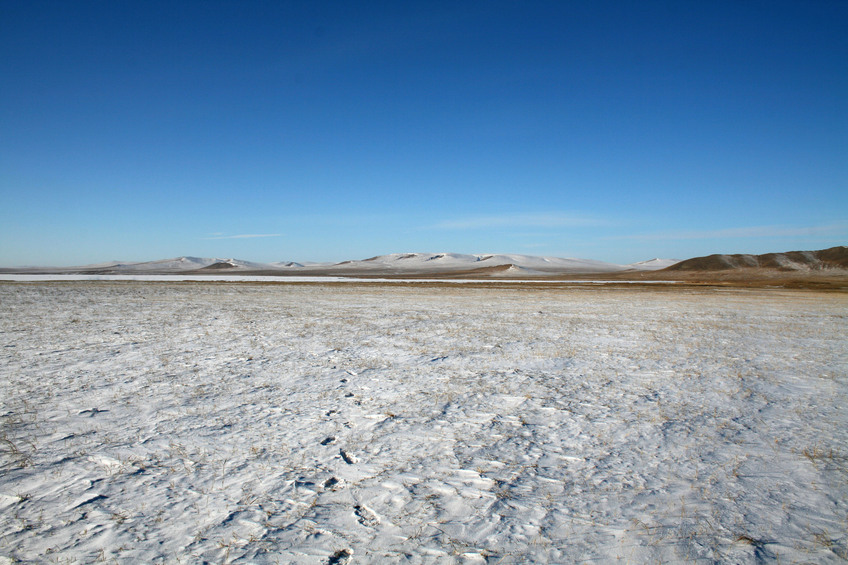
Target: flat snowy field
x,y
240,422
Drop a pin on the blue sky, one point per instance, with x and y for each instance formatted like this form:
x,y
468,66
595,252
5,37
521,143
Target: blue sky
x,y
269,131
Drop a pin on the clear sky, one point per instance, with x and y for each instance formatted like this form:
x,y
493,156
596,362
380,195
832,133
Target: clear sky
x,y
289,130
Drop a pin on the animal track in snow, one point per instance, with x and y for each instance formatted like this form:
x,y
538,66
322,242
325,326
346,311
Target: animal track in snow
x,y
366,516
340,557
332,483
348,458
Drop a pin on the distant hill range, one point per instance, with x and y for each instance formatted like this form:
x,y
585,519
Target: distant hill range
x,y
396,264
827,268
833,258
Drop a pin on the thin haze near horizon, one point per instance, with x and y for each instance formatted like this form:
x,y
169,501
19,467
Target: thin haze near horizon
x,y
324,131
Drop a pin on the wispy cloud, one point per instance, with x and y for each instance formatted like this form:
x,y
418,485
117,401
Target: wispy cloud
x,y
244,236
519,221
743,232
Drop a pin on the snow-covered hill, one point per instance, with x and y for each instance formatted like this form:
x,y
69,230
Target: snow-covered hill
x,y
388,265
451,262
180,264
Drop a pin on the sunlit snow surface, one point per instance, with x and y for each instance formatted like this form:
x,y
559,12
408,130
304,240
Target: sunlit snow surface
x,y
165,423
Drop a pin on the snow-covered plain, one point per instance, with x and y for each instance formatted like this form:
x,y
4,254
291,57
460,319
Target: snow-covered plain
x,y
168,423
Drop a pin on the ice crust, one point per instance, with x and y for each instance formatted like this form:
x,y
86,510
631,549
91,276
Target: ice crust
x,y
245,423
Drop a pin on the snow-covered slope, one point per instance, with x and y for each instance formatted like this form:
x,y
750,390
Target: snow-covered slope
x,y
653,264
446,262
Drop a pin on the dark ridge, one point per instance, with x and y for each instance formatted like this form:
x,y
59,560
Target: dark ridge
x,y
217,266
833,258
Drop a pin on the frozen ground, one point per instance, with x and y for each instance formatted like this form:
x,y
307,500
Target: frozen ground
x,y
168,423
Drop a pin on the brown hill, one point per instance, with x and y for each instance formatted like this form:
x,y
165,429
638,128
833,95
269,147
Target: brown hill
x,y
833,258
